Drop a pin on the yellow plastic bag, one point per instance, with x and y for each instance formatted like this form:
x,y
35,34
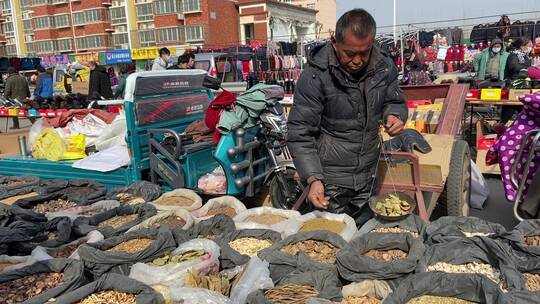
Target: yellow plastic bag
x,y
51,146
48,145
75,147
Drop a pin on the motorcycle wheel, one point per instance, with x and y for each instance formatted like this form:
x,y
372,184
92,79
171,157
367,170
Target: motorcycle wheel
x,y
277,192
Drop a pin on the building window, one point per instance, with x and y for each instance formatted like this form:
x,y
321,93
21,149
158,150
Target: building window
x,y
28,38
30,48
168,6
40,2
11,50
89,42
117,3
147,38
43,22
311,5
118,15
194,33
120,29
46,46
25,4
65,45
27,26
61,21
145,12
168,34
7,28
120,40
192,5
6,7
88,16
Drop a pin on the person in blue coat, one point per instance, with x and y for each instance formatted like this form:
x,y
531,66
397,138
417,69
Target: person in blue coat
x,y
44,85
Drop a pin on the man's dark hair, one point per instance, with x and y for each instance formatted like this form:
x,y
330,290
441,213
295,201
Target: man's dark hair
x,y
12,70
521,42
164,51
358,21
184,59
190,55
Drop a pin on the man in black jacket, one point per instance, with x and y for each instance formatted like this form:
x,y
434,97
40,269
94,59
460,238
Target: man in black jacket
x,y
100,82
348,88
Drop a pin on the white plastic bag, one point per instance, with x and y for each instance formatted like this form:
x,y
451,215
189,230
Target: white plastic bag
x,y
186,193
91,126
75,212
186,295
35,129
181,213
17,261
371,288
347,234
479,188
256,276
175,274
213,183
42,253
114,134
219,202
241,223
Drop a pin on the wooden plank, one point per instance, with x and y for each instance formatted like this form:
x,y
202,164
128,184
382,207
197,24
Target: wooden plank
x,y
426,92
452,113
494,102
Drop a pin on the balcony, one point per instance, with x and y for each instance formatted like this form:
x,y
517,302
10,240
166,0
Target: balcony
x,y
106,3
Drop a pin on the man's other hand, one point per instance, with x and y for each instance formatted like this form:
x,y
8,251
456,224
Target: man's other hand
x,y
394,125
316,195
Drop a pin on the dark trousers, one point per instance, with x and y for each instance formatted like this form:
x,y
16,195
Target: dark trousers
x,y
353,203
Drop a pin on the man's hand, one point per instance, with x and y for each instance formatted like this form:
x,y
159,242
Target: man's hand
x,y
394,125
316,195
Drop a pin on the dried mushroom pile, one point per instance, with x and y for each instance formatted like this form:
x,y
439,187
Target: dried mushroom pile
x,y
360,300
265,219
394,230
215,282
386,255
222,210
131,246
171,221
183,257
249,246
483,269
392,206
290,294
320,251
323,224
438,300
109,297
22,289
127,198
533,240
119,220
53,206
533,281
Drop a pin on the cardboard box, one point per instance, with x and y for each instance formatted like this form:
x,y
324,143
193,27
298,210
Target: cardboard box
x,y
515,93
491,94
473,94
80,87
9,143
481,163
483,143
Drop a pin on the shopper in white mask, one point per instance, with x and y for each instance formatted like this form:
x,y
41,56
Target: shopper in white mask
x,y
163,61
491,62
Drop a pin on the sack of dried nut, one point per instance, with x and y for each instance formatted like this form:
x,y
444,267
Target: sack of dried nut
x,y
238,246
228,205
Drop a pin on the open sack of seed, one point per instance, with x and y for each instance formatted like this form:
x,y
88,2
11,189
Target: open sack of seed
x,y
171,267
528,245
174,219
480,255
303,252
265,218
228,205
412,224
341,224
380,256
41,281
136,193
213,228
438,287
112,288
83,192
84,211
17,185
8,263
118,254
238,246
299,287
47,204
68,250
178,199
115,221
448,228
365,292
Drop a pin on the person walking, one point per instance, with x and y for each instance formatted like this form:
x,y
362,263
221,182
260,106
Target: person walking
x,y
491,62
16,87
163,61
124,73
100,82
44,83
347,89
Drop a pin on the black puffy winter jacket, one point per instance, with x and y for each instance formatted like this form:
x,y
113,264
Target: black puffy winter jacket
x,y
333,127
